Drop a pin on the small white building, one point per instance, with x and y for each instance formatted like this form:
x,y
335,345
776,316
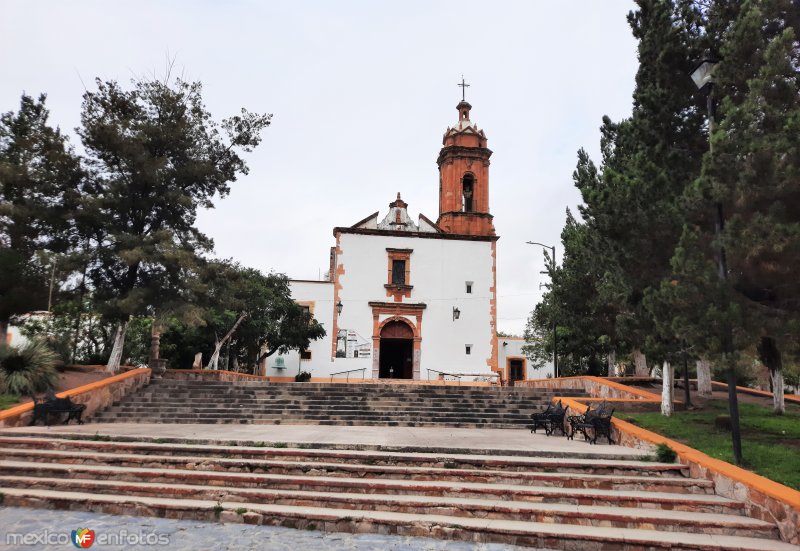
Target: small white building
x,y
515,364
412,299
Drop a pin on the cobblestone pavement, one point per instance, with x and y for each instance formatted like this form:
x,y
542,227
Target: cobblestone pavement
x,y
199,536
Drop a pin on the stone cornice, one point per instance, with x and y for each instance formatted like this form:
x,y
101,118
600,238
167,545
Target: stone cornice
x,y
423,235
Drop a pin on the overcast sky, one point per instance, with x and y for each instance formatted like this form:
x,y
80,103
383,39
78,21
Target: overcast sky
x,y
361,94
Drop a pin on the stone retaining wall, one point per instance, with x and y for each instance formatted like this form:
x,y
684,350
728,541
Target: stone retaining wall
x,y
596,387
211,375
764,499
96,396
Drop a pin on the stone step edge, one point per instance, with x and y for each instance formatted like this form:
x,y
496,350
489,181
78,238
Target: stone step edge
x,y
512,460
579,512
419,525
337,481
493,452
104,458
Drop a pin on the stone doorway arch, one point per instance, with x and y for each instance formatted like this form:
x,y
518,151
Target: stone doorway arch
x,y
396,356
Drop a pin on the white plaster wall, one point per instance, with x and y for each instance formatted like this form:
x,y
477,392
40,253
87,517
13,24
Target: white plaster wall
x,y
321,294
439,270
513,348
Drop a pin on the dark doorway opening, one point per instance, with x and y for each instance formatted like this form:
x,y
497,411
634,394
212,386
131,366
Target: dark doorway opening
x,y
397,351
516,371
396,361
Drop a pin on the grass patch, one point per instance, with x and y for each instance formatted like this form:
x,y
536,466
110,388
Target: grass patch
x,y
241,511
770,443
8,400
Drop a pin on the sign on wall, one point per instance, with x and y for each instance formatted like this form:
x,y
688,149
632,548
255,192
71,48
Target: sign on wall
x,y
349,344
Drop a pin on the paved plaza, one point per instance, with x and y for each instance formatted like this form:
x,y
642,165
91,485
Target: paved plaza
x,y
178,535
515,441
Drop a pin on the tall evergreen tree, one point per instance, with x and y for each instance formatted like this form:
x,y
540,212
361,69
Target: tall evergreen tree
x,y
572,304
156,156
40,179
753,176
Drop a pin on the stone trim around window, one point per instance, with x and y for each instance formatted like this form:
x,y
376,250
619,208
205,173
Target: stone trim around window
x,y
399,290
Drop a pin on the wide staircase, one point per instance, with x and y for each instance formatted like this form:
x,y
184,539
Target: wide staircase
x,y
586,501
181,401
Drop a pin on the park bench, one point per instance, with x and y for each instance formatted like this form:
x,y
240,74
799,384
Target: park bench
x,y
550,419
597,421
44,408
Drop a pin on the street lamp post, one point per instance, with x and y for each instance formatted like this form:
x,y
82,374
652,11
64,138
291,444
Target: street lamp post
x,y
555,335
703,77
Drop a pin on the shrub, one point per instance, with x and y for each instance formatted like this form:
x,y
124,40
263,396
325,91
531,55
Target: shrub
x,y
28,369
665,454
303,377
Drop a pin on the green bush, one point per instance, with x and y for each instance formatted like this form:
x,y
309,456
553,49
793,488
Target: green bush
x,y
29,369
665,454
303,377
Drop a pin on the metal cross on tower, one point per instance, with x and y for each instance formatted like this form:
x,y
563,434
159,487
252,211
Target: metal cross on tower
x,y
464,87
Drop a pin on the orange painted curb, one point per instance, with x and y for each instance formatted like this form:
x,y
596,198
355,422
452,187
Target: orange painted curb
x,y
18,410
687,454
744,390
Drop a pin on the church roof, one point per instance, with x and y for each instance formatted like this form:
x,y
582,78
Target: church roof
x,y
397,219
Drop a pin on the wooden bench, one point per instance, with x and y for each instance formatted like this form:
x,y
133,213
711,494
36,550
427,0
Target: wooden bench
x,y
50,405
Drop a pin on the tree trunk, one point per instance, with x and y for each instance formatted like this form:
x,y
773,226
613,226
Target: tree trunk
x,y
704,378
667,378
214,360
116,351
155,340
198,361
778,404
771,356
612,363
640,363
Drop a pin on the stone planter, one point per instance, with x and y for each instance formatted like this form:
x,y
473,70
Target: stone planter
x,y
158,367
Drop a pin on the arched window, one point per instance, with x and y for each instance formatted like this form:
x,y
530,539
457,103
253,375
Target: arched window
x,y
468,189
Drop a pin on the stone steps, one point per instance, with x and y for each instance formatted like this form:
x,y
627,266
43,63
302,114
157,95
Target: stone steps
x,y
359,421
255,402
138,407
592,502
554,513
548,477
192,402
535,534
703,503
79,439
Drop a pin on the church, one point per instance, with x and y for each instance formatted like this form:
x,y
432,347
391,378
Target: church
x,y
408,299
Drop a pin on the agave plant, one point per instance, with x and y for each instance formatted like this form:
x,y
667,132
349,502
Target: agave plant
x,y
28,369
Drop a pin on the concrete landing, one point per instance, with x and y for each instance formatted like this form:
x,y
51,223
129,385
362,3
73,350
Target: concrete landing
x,y
480,441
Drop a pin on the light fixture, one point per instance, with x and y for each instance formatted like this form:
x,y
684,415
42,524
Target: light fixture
x,y
703,73
505,343
456,313
339,307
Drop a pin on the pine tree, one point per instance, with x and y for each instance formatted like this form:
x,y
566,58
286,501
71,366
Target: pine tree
x,y
156,156
40,178
753,175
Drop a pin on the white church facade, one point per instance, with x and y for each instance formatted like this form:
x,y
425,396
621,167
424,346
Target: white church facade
x,y
410,299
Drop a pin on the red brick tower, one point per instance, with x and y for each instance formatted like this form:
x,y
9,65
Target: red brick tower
x,y
464,178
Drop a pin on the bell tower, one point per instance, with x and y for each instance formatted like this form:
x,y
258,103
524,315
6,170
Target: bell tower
x,y
464,178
